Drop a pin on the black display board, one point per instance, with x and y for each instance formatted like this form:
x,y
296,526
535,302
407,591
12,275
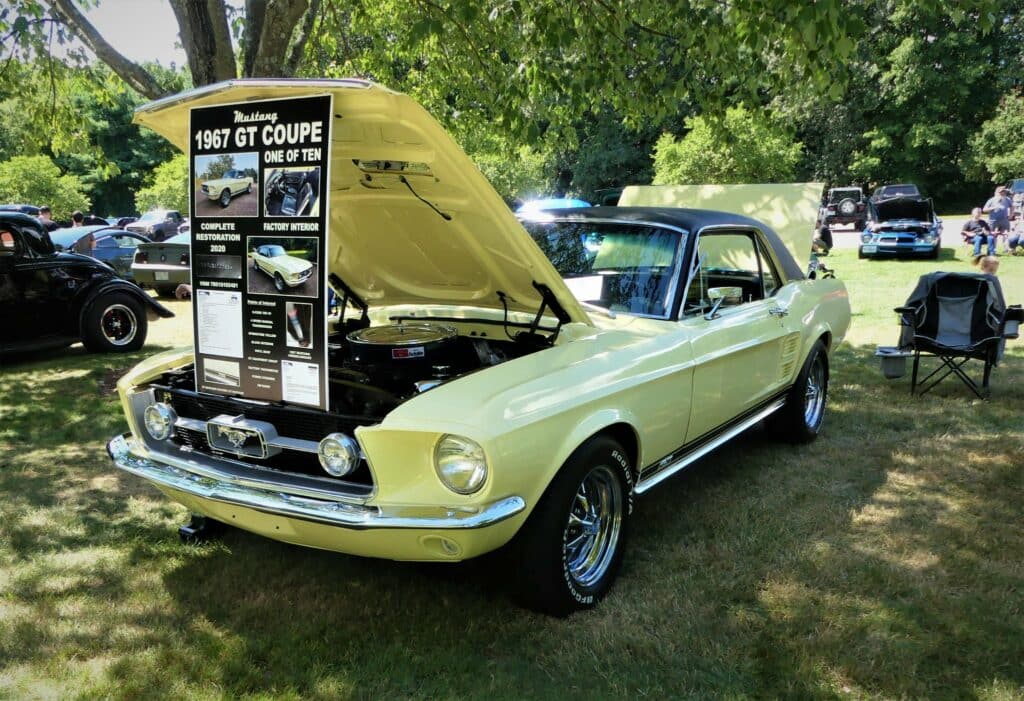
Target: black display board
x,y
259,210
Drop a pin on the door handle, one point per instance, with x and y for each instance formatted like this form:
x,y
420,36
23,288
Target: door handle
x,y
778,311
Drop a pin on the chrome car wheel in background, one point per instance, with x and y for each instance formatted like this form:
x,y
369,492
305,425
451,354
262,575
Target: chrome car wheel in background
x,y
118,324
814,393
592,532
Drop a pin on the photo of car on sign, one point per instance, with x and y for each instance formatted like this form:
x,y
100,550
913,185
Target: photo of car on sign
x,y
283,266
226,185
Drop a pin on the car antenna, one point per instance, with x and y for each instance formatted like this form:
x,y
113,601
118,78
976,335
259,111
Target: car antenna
x,y
446,217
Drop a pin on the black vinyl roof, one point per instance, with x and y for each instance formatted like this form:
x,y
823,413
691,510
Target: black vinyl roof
x,y
691,220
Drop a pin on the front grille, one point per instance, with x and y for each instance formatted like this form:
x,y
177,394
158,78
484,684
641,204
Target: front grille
x,y
295,461
289,422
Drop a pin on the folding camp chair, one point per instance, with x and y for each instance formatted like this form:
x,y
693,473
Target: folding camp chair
x,y
956,317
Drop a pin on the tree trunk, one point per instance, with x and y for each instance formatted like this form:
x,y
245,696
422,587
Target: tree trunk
x,y
276,36
207,40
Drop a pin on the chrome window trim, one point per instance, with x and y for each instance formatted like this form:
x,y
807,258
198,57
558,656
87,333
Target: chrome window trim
x,y
684,236
760,245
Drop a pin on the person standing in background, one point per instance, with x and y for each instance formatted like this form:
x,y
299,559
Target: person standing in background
x,y
999,209
44,219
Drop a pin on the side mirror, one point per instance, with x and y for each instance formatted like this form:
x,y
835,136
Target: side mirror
x,y
720,296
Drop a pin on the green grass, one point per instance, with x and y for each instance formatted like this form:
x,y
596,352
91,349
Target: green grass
x,y
882,561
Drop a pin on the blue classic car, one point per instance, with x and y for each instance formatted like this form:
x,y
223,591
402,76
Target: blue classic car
x,y
113,246
901,226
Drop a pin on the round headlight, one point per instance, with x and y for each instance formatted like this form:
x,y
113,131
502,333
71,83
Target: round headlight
x,y
865,237
339,454
460,463
159,419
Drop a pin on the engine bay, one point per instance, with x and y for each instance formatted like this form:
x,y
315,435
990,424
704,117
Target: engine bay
x,y
376,368
373,369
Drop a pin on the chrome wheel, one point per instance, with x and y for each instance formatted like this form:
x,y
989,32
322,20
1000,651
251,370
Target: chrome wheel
x,y
591,534
118,324
814,393
225,198
278,282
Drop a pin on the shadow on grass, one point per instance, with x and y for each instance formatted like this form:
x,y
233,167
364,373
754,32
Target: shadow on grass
x,y
882,559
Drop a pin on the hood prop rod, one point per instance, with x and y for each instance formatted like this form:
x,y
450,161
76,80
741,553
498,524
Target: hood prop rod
x,y
349,295
549,300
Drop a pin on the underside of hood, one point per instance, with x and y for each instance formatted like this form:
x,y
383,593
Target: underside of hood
x,y
916,208
412,220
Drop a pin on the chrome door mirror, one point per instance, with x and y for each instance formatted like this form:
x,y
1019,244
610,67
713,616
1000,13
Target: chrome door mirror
x,y
720,296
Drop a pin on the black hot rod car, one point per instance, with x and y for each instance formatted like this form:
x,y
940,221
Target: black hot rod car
x,y
52,299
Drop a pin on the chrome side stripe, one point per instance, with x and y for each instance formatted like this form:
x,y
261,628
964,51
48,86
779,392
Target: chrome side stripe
x,y
658,472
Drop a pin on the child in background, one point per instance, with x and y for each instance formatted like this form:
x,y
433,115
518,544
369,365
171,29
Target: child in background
x,y
989,265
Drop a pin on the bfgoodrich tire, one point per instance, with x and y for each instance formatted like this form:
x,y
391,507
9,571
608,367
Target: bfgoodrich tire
x,y
114,323
569,551
800,419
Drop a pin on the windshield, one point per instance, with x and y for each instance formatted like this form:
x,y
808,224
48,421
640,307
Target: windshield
x,y
155,215
837,195
900,191
185,238
273,251
622,267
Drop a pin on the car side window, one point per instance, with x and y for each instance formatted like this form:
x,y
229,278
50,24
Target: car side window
x,y
107,242
124,241
731,267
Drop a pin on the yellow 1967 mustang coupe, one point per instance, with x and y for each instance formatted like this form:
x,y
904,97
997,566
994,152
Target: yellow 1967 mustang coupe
x,y
506,385
287,271
232,183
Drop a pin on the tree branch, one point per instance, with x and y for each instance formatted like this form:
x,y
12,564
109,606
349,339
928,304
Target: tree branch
x,y
298,49
132,73
255,11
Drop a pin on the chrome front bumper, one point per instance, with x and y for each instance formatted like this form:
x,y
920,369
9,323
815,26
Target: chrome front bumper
x,y
128,456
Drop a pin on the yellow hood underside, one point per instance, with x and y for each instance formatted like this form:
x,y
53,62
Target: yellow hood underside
x,y
391,165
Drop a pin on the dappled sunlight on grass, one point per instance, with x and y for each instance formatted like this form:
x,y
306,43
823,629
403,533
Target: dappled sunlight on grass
x,y
882,561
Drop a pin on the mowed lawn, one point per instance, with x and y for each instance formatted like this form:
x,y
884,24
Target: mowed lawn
x,y
885,560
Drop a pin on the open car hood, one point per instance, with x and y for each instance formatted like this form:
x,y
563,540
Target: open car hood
x,y
412,219
916,208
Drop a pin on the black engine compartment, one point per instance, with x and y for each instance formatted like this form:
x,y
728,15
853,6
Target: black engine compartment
x,y
367,383
372,380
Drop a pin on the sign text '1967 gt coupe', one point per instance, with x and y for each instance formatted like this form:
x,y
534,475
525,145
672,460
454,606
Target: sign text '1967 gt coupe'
x,y
499,388
51,298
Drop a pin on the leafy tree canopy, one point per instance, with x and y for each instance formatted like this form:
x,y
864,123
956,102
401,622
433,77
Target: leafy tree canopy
x,y
37,180
746,148
997,149
168,188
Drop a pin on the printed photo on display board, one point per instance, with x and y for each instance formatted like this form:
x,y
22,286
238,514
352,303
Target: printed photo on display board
x,y
298,316
292,192
283,266
227,185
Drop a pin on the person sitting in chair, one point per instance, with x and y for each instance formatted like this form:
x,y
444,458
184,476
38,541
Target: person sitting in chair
x,y
977,231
